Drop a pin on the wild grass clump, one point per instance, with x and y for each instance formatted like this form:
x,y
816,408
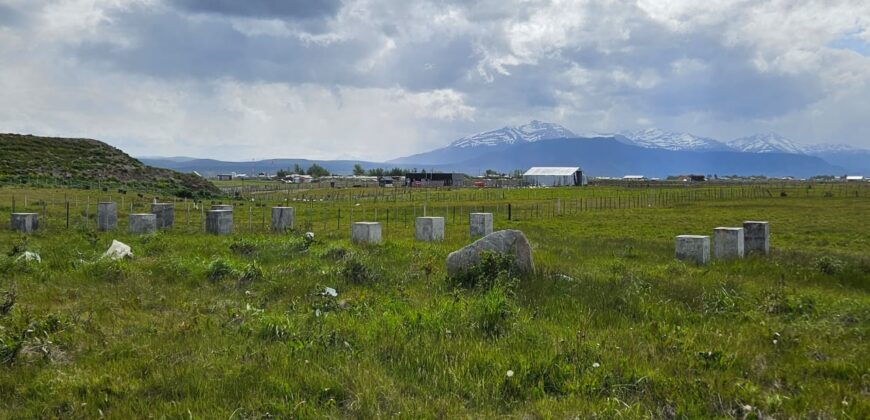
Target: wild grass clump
x,y
493,312
251,273
828,265
493,269
106,270
218,269
243,247
355,271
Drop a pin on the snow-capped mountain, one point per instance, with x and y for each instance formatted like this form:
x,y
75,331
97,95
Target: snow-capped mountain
x,y
831,148
767,143
533,131
654,138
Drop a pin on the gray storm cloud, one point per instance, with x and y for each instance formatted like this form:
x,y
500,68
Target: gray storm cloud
x,y
378,79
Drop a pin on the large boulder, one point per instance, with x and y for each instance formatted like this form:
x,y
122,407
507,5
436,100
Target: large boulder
x,y
506,242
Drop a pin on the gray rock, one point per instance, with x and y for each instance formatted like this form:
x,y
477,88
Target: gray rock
x,y
506,242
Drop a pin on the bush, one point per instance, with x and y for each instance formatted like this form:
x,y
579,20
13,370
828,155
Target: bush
x,y
250,274
355,272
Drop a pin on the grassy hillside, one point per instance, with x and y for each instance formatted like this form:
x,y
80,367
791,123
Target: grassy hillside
x,y
610,327
25,157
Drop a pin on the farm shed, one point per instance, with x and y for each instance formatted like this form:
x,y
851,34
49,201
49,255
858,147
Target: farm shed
x,y
554,177
434,179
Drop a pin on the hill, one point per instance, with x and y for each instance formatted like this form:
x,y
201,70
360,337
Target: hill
x,y
87,160
212,167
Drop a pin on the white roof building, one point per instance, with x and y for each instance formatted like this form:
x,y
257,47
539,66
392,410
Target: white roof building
x,y
554,176
854,178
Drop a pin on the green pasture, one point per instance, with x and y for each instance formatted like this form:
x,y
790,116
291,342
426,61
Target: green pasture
x,y
200,326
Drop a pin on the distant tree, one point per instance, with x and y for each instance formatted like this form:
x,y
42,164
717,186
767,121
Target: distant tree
x,y
317,171
397,172
297,169
491,173
358,170
518,173
376,172
282,173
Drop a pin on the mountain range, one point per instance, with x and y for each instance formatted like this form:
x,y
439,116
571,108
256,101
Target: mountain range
x,y
651,152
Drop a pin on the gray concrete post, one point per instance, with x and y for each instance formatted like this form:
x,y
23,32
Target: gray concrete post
x,y
283,218
429,229
142,223
756,237
693,248
107,216
727,243
165,213
366,232
25,222
480,224
219,222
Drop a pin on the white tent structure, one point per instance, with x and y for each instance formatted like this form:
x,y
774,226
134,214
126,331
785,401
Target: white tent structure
x,y
554,177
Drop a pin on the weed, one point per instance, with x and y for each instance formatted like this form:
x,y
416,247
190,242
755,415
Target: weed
x,y
243,248
7,301
828,265
250,274
492,270
218,269
356,272
493,311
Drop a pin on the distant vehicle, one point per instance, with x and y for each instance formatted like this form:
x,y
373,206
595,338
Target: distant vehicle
x,y
479,184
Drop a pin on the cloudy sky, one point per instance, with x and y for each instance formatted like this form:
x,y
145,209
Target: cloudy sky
x,y
375,79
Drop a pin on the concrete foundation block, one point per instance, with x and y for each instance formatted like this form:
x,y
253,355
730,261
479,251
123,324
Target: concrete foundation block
x,y
366,232
283,218
429,229
480,224
693,248
25,222
756,237
142,223
107,216
222,207
219,222
165,213
727,243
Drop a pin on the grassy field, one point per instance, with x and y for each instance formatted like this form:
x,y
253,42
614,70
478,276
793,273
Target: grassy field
x,y
610,325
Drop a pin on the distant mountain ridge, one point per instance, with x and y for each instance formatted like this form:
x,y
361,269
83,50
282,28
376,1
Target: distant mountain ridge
x,y
659,139
531,132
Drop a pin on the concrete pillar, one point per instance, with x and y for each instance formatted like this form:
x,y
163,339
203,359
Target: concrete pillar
x,y
107,216
727,243
283,218
25,222
366,232
219,222
429,229
480,224
222,207
693,248
756,237
165,213
142,223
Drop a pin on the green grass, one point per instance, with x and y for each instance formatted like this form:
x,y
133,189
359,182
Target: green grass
x,y
611,325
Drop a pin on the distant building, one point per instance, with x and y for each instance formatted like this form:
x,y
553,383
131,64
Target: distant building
x,y
691,178
225,177
554,176
634,178
854,178
434,179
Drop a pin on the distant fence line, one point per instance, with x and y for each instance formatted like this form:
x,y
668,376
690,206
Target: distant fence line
x,y
59,210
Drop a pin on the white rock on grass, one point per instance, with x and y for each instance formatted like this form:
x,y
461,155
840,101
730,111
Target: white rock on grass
x,y
28,256
118,250
505,242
